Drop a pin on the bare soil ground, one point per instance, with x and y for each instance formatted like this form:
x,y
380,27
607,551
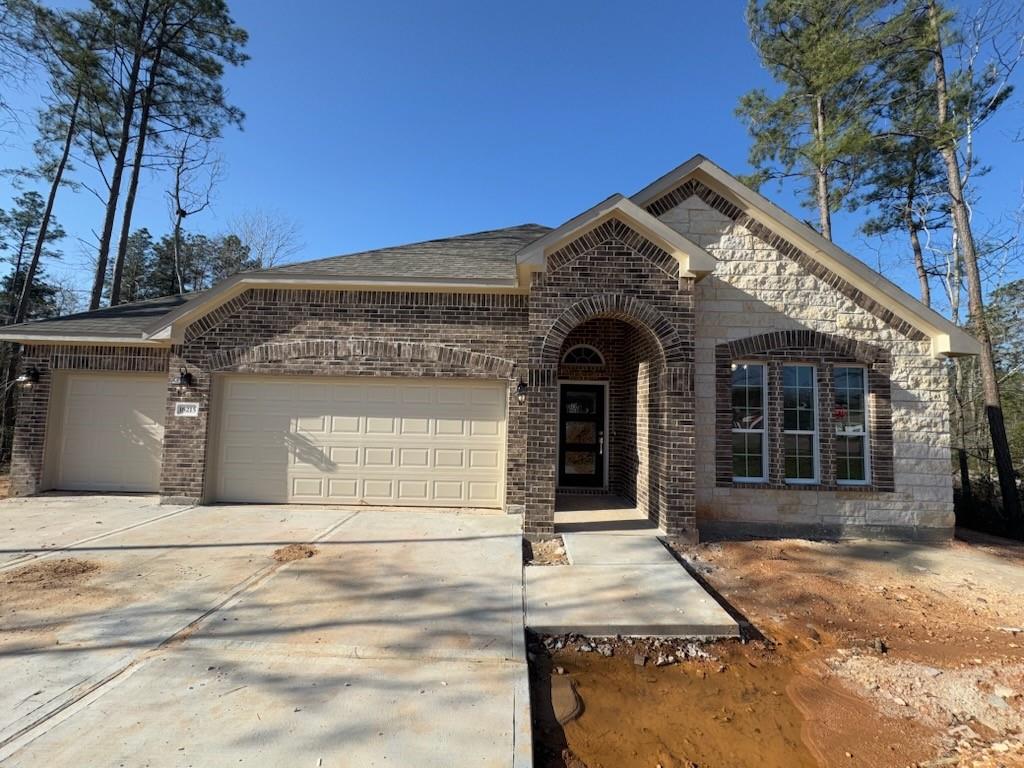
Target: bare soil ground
x,y
294,552
863,661
545,552
51,574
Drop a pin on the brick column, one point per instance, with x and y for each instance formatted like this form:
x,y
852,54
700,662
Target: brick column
x,y
31,407
541,461
183,472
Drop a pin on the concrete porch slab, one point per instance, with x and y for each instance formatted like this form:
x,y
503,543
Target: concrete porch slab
x,y
604,600
615,549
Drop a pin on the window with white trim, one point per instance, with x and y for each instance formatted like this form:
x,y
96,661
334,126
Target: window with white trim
x,y
583,354
850,417
799,424
749,445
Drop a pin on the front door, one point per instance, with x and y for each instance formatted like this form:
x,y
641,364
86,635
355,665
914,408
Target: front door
x,y
582,441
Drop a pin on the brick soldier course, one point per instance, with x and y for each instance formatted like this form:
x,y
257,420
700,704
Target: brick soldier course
x,y
470,308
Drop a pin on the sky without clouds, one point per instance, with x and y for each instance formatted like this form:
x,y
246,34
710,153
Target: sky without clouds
x,y
375,124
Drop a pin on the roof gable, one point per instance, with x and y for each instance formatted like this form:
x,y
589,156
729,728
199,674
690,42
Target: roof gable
x,y
824,259
693,261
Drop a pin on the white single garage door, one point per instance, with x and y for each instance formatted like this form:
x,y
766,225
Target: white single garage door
x,y
110,432
387,441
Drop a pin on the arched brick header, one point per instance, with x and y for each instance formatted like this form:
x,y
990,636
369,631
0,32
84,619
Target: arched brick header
x,y
359,348
614,306
790,341
824,351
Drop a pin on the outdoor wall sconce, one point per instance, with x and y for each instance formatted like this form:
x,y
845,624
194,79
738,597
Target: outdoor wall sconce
x,y
29,378
185,379
521,391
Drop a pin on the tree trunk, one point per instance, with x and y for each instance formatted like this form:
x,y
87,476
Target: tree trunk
x,y
975,296
128,102
177,251
133,183
44,224
821,174
922,274
12,303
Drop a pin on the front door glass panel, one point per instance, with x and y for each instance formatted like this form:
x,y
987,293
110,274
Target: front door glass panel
x,y
581,429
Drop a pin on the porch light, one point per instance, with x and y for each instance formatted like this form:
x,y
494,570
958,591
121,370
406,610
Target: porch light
x,y
185,379
29,378
521,391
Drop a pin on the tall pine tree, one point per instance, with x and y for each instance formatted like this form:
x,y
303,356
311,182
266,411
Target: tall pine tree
x,y
817,128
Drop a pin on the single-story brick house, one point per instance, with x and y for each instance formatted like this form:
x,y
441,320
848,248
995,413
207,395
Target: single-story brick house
x,y
692,347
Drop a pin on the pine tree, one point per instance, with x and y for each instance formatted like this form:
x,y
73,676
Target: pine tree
x,y
167,58
817,129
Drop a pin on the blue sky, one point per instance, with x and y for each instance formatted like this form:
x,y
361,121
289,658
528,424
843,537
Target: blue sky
x,y
373,124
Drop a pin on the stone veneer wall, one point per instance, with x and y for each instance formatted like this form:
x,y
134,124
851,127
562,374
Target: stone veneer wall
x,y
761,285
354,333
33,405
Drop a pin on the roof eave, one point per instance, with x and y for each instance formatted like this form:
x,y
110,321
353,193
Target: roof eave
x,y
73,339
948,339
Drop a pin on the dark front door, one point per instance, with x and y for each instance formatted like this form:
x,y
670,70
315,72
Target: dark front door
x,y
581,429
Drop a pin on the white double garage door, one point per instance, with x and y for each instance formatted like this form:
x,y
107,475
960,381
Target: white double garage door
x,y
382,441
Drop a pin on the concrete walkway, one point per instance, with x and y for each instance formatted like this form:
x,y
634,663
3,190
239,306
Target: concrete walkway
x,y
399,643
624,583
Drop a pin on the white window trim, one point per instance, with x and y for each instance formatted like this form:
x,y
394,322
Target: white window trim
x,y
867,428
815,434
763,431
569,351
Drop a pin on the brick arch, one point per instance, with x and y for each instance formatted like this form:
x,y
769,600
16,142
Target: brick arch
x,y
615,306
360,348
782,341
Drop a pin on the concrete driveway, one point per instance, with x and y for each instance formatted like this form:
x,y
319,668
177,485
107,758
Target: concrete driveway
x,y
135,634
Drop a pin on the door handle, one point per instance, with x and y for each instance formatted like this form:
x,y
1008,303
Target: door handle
x,y
600,443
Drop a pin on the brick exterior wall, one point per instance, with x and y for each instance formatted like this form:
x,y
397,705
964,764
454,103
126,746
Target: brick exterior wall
x,y
612,273
33,405
667,342
334,333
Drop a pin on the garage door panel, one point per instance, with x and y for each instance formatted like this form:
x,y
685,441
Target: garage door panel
x,y
111,433
403,441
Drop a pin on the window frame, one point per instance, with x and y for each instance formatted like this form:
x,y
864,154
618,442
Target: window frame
x,y
815,433
573,348
867,428
763,431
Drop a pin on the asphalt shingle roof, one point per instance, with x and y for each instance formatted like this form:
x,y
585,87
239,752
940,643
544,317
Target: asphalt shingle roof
x,y
486,255
115,322
480,256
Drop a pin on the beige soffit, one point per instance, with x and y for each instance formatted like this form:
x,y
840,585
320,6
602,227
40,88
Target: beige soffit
x,y
693,260
947,338
70,339
172,325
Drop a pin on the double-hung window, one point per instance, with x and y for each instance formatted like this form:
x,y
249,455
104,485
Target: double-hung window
x,y
850,417
749,448
799,424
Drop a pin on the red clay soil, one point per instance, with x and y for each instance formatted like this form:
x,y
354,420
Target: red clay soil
x,y
861,664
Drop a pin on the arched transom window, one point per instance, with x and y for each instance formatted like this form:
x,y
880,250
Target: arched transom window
x,y
583,354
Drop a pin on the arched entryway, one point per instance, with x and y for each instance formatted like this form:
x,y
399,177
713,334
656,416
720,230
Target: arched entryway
x,y
608,414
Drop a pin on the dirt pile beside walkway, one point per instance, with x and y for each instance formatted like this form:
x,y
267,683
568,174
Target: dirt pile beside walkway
x,y
51,574
295,552
868,659
545,552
